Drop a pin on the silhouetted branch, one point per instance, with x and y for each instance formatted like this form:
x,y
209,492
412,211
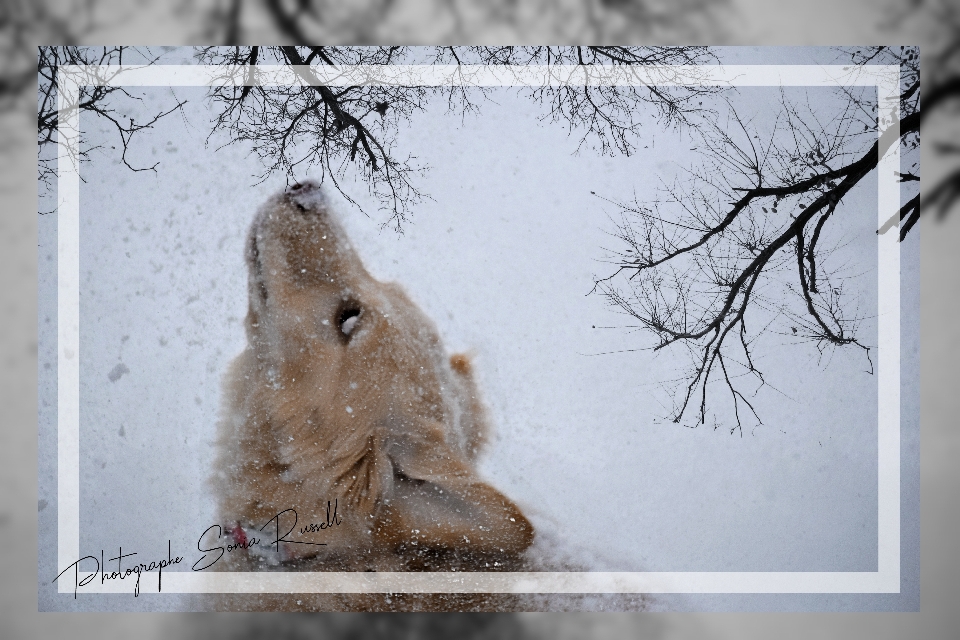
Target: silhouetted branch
x,y
334,129
97,99
692,265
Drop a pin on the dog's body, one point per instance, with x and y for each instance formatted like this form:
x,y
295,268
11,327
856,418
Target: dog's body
x,y
346,397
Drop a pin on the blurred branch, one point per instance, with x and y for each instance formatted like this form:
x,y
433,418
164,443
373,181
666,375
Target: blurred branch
x,y
22,23
302,22
940,20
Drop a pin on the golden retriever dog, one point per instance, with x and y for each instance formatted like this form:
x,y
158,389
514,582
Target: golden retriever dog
x,y
346,423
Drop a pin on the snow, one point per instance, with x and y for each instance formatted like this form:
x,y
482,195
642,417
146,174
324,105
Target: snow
x,y
349,324
501,257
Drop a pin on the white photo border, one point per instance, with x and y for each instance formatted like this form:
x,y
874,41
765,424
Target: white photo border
x,y
886,79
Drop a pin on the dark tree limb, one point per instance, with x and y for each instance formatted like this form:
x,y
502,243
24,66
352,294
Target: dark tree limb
x,y
691,279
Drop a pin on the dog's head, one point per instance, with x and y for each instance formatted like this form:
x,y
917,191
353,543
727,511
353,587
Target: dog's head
x,y
346,394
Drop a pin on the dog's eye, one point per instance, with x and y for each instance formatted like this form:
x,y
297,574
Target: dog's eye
x,y
348,319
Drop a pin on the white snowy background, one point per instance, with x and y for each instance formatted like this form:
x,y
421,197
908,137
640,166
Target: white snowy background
x,y
501,257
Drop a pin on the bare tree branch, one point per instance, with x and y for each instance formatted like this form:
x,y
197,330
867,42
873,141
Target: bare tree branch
x,y
312,126
96,99
691,270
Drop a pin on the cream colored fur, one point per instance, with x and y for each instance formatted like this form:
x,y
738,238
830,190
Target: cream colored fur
x,y
345,393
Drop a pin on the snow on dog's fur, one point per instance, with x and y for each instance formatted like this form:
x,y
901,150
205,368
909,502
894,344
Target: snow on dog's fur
x,y
345,396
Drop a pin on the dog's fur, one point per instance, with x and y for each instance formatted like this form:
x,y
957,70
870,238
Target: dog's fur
x,y
345,395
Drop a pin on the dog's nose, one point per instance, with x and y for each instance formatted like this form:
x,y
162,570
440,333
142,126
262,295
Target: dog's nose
x,y
303,187
307,196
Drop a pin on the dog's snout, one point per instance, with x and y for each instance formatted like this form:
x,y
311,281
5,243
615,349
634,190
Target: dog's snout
x,y
303,187
306,196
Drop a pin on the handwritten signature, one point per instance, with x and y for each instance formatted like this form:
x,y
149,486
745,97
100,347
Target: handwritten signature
x,y
241,539
120,573
244,540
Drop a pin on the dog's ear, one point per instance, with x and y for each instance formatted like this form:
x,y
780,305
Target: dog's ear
x,y
437,501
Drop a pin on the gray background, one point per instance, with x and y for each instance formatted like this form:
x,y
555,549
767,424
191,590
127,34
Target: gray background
x,y
20,307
